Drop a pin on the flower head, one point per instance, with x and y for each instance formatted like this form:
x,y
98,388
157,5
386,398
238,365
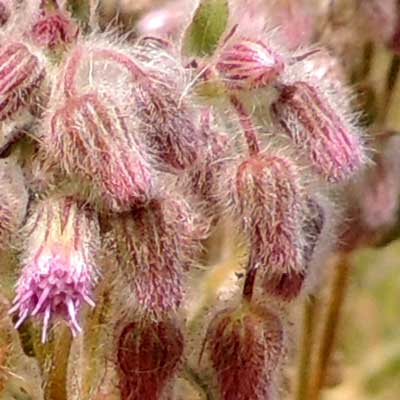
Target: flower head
x,y
59,266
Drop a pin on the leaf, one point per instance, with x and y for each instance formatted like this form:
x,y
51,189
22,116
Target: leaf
x,y
209,23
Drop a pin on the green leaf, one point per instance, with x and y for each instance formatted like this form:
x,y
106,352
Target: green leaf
x,y
209,23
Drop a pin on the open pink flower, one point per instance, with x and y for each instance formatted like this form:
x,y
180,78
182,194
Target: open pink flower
x,y
59,267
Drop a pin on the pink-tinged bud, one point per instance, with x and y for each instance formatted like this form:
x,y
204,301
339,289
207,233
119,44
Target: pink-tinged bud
x,y
59,264
246,347
152,94
90,137
149,353
269,201
21,74
54,29
13,201
168,125
206,174
250,64
288,286
327,139
155,247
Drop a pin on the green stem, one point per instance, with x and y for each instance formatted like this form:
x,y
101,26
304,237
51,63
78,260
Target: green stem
x,y
307,342
337,295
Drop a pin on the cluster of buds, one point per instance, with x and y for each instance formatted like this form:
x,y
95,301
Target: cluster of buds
x,y
139,160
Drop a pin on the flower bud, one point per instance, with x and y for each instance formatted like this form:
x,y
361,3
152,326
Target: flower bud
x,y
287,286
59,264
155,246
148,356
269,201
205,175
250,64
53,29
246,347
21,74
90,137
13,201
328,140
152,88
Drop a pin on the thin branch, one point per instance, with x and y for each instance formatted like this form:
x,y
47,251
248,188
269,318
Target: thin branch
x,y
330,327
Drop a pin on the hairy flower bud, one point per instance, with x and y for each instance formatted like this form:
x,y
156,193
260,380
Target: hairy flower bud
x,y
13,201
328,140
90,137
53,29
168,125
21,74
268,197
206,174
59,264
155,247
246,347
287,286
148,356
249,64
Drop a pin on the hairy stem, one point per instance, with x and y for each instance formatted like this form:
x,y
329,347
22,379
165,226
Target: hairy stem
x,y
329,331
249,131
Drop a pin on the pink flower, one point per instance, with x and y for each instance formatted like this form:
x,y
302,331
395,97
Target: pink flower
x,y
59,266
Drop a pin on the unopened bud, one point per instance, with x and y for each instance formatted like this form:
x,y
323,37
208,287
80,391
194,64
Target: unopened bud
x,y
90,138
148,356
21,74
250,64
54,29
268,198
205,176
327,139
59,264
155,247
246,347
288,286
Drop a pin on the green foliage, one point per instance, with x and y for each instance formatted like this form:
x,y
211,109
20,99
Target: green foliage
x,y
204,33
